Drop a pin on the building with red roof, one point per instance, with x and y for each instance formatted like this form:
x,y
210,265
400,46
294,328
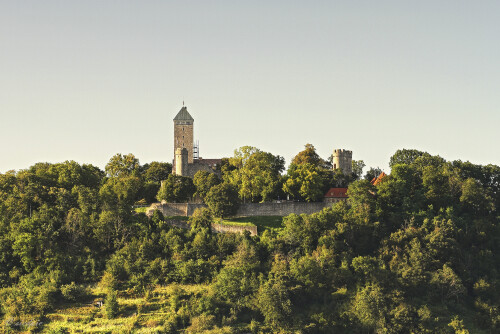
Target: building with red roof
x,y
334,195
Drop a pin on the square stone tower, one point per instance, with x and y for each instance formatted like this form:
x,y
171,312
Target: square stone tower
x,y
183,133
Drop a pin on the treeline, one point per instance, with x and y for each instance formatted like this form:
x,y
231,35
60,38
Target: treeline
x,y
252,175
418,253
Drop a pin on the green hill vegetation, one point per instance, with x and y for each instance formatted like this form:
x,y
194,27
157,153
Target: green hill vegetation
x,y
417,253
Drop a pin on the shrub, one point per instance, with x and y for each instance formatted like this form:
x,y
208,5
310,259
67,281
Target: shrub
x,y
111,304
201,323
73,292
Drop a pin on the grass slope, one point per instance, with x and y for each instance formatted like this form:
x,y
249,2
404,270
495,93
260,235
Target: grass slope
x,y
149,313
262,222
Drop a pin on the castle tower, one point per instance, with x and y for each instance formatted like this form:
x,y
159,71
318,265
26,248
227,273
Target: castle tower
x,y
181,161
183,134
342,159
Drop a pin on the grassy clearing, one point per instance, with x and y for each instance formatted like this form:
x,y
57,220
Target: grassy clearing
x,y
137,314
262,222
141,210
183,218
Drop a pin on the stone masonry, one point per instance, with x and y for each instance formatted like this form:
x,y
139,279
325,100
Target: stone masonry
x,y
183,133
342,159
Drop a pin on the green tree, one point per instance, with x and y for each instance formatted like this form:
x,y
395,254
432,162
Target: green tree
x,y
373,173
203,181
176,189
256,174
357,168
304,182
475,197
222,200
362,200
405,156
120,192
201,218
309,156
111,304
123,165
237,281
156,171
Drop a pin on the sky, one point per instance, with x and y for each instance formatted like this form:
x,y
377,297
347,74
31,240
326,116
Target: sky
x,y
84,80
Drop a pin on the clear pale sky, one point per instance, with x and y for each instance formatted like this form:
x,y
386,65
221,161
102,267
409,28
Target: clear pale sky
x,y
84,80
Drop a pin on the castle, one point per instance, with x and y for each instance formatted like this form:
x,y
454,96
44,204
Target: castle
x,y
186,157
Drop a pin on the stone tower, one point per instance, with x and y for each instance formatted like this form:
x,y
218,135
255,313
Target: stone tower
x,y
181,161
342,159
183,134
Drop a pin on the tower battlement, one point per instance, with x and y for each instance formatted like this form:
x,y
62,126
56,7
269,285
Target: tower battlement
x,y
342,159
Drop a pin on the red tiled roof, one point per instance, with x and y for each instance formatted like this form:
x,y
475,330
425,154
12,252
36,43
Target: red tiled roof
x,y
337,193
377,180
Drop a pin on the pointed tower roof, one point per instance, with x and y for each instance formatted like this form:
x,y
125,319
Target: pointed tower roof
x,y
183,115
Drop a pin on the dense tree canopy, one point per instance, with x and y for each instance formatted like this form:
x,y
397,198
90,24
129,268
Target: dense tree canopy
x,y
417,253
309,156
122,165
177,189
256,174
304,181
204,181
222,200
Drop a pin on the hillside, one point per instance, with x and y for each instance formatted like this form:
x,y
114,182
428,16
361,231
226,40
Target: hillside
x,y
417,253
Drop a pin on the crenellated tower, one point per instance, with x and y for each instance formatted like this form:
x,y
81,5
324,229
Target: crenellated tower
x,y
342,159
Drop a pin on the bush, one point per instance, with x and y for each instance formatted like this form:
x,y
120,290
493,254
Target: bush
x,y
73,292
111,305
29,297
201,323
59,330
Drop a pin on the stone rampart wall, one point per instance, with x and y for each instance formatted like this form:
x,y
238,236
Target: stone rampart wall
x,y
219,228
279,209
169,209
244,210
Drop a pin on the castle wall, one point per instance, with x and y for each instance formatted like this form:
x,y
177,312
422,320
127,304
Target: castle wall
x,y
244,210
278,209
219,228
169,209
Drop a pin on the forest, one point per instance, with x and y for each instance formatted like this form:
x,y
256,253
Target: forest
x,y
417,253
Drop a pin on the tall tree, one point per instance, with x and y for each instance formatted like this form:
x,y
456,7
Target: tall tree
x,y
122,165
156,171
309,156
203,181
357,168
304,182
222,200
256,174
176,189
405,156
